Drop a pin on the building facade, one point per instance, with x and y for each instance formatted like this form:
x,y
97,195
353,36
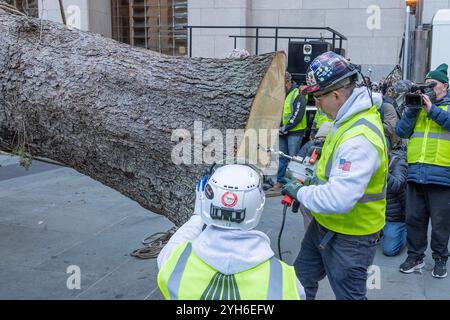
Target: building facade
x,y
374,28
94,16
158,25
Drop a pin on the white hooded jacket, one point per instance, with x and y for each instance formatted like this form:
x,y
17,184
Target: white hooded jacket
x,y
346,184
227,251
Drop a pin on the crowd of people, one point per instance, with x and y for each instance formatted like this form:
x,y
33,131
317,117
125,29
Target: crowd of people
x,y
381,177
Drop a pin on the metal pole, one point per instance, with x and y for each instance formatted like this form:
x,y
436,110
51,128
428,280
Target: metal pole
x,y
63,14
190,42
420,54
420,46
257,36
145,25
419,12
276,39
406,49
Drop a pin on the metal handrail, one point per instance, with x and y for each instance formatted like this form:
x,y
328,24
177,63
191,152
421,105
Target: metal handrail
x,y
335,34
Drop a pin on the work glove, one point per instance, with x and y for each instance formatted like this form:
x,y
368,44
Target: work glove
x,y
199,194
291,188
309,180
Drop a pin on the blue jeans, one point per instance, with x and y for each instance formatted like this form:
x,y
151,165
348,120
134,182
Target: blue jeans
x,y
394,238
289,144
344,259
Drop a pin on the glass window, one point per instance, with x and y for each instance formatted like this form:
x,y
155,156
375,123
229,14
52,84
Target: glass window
x,y
29,7
157,25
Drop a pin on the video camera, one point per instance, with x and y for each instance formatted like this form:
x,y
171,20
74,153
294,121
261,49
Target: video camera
x,y
413,99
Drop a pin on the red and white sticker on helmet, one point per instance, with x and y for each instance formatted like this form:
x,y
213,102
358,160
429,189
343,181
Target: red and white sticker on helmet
x,y
311,79
229,199
209,193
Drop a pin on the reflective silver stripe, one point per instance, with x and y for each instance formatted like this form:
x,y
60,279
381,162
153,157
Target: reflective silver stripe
x,y
218,293
364,122
209,291
440,136
318,181
275,291
418,135
173,284
373,197
432,135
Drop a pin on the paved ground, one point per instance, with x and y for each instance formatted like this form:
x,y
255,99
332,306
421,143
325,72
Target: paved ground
x,y
53,217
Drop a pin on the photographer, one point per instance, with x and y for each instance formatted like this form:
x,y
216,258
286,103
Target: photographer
x,y
428,191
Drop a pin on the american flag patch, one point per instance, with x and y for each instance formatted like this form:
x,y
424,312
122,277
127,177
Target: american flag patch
x,y
344,165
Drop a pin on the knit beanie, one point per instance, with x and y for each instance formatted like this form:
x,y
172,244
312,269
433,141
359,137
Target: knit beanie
x,y
440,74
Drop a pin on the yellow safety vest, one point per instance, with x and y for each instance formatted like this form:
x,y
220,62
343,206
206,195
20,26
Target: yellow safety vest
x,y
368,214
287,111
184,276
320,118
430,143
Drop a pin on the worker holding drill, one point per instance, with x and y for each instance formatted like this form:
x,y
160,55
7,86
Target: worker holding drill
x,y
347,197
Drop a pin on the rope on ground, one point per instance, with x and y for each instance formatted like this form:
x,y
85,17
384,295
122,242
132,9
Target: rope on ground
x,y
153,244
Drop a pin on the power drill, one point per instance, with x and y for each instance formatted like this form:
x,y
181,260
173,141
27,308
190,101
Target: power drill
x,y
302,169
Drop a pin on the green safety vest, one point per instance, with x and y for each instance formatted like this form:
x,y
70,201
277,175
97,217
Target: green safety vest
x,y
287,110
320,118
430,143
184,276
368,214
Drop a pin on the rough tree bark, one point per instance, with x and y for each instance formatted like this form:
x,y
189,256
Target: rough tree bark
x,y
108,110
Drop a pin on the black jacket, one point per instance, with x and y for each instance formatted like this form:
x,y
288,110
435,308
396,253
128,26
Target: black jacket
x,y
396,188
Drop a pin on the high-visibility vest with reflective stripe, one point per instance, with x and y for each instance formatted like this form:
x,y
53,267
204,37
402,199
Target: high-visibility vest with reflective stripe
x,y
368,214
184,276
430,143
289,106
320,118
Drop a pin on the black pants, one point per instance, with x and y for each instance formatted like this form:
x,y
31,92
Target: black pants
x,y
425,201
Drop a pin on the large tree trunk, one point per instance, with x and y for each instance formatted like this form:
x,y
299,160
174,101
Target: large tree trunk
x,y
108,110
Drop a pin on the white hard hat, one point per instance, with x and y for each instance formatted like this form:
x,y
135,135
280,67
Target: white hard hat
x,y
233,198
